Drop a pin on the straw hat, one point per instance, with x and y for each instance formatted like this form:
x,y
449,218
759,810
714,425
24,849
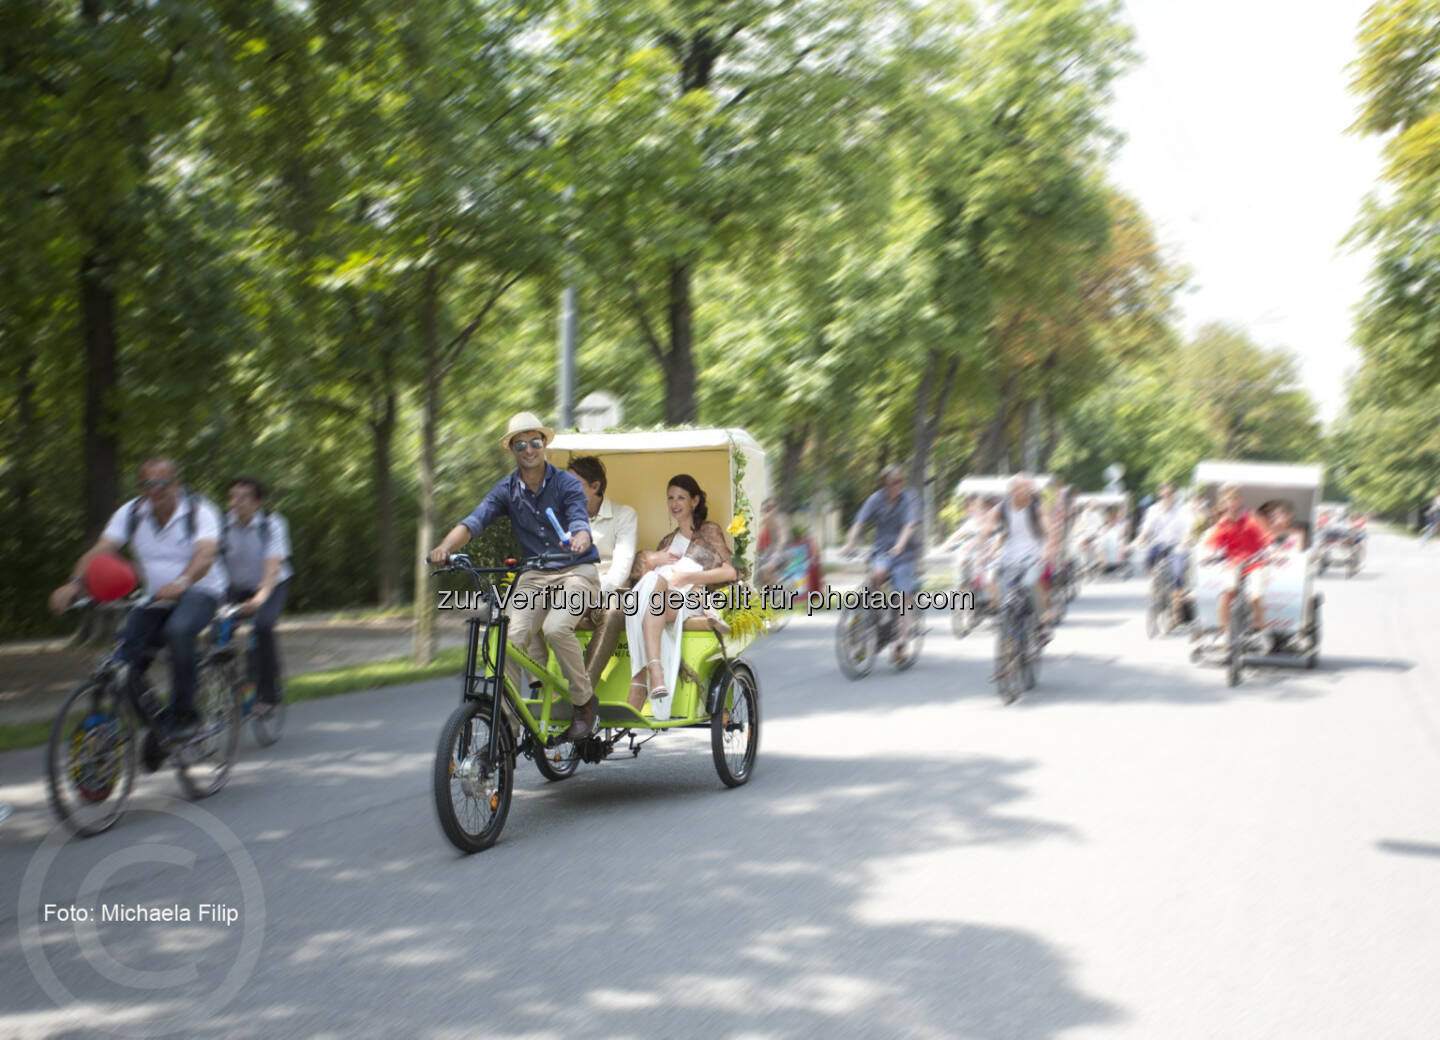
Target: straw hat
x,y
524,422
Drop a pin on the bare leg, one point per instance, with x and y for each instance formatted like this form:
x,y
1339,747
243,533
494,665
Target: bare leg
x,y
651,626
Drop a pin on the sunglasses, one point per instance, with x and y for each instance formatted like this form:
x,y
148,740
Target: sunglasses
x,y
534,444
150,485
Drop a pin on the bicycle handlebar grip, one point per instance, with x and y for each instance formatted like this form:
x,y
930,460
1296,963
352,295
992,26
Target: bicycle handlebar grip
x,y
555,557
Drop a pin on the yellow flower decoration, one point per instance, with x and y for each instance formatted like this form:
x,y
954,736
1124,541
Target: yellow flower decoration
x,y
738,525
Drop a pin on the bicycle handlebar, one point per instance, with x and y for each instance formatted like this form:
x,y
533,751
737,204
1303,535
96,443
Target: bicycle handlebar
x,y
461,562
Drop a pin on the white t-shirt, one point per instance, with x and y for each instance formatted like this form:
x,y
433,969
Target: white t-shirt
x,y
1166,527
1022,541
163,554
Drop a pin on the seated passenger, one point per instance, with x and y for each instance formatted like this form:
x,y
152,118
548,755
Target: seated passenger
x,y
693,554
613,527
1284,535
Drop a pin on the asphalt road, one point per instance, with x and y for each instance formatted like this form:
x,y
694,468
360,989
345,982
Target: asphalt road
x,y
1134,850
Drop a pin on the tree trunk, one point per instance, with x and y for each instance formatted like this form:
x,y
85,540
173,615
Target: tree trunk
x,y
680,404
424,639
101,440
792,450
1052,435
24,486
382,433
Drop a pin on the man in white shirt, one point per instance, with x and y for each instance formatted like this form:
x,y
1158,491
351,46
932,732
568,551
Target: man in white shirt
x,y
173,536
613,529
1026,535
255,547
1165,532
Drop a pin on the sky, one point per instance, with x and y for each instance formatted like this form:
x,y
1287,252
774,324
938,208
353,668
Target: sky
x,y
1237,150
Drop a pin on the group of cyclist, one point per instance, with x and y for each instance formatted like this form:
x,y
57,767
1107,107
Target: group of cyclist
x,y
1017,538
193,560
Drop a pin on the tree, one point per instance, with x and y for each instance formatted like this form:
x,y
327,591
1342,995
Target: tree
x,y
1396,77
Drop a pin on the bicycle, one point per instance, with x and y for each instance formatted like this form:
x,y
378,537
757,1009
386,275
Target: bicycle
x,y
1017,636
96,746
1160,594
481,741
865,629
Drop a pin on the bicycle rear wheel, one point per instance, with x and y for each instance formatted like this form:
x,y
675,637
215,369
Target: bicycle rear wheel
x,y
202,763
91,762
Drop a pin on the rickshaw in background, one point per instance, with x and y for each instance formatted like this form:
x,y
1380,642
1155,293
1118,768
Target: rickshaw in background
x,y
1101,550
1341,538
474,773
975,555
1290,607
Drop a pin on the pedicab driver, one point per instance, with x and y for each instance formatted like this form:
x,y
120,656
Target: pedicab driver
x,y
896,516
174,537
1237,536
524,496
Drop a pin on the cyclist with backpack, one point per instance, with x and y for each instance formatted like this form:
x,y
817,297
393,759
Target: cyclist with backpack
x,y
255,547
173,535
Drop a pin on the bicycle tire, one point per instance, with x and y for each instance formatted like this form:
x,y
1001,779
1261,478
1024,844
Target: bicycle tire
x,y
738,712
855,643
106,735
464,741
218,702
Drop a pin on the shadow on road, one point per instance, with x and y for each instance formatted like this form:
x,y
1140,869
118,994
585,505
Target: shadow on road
x,y
768,910
1409,848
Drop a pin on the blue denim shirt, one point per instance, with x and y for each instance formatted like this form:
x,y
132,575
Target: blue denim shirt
x,y
890,519
560,490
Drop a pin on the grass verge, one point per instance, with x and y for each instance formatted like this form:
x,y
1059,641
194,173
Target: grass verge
x,y
328,683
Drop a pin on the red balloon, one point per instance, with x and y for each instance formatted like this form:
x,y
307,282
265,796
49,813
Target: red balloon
x,y
109,577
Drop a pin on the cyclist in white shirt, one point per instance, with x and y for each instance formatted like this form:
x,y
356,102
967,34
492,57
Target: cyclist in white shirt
x,y
1026,536
173,536
255,547
1165,532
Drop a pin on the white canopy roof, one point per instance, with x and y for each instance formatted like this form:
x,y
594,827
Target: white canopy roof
x,y
996,486
1268,474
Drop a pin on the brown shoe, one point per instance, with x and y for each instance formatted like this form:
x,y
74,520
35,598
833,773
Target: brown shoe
x,y
583,724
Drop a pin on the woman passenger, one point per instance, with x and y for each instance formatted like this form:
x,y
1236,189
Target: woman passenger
x,y
695,553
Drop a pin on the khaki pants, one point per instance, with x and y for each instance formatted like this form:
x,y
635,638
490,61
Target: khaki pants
x,y
532,627
608,630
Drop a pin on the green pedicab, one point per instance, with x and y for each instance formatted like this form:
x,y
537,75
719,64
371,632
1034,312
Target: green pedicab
x,y
717,690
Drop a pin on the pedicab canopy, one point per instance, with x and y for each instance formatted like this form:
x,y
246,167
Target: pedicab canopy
x,y
998,487
728,464
1260,482
1102,500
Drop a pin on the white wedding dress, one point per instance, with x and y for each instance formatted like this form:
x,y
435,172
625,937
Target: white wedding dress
x,y
670,636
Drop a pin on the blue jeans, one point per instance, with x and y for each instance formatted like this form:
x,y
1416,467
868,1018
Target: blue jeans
x,y
174,626
262,659
901,571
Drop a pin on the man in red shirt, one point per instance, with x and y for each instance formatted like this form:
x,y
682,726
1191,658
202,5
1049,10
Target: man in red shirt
x,y
1238,536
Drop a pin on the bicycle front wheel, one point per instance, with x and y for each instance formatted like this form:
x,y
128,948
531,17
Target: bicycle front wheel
x,y
1008,649
855,643
202,764
472,793
91,762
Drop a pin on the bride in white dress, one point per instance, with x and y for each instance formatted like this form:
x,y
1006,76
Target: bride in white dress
x,y
695,553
